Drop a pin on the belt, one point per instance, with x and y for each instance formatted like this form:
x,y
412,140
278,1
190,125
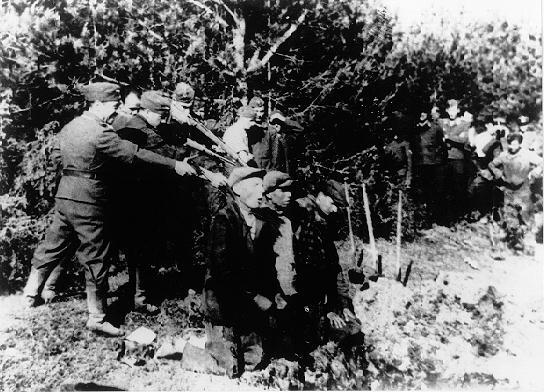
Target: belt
x,y
80,173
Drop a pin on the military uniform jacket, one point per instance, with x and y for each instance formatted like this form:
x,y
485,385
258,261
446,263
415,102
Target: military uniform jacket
x,y
430,148
89,149
456,133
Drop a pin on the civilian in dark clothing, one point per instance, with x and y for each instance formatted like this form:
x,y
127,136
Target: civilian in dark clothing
x,y
514,169
238,288
322,305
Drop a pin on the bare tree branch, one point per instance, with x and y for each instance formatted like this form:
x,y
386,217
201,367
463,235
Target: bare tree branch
x,y
199,4
277,44
230,12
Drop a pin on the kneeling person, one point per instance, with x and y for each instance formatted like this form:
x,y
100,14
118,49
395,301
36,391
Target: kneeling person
x,y
235,308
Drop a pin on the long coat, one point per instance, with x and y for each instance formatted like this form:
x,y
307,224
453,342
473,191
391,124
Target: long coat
x,y
235,273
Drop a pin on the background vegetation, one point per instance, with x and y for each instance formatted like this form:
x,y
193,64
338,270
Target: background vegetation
x,y
339,67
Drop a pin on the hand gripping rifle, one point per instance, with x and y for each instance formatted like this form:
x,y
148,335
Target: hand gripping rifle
x,y
216,140
207,151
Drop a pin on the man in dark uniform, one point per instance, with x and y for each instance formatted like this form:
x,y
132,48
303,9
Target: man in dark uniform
x,y
456,134
430,164
273,149
145,199
168,224
89,148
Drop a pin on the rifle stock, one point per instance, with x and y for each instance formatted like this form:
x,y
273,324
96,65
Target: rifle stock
x,y
210,135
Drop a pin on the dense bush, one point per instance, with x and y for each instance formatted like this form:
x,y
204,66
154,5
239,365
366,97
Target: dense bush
x,y
339,67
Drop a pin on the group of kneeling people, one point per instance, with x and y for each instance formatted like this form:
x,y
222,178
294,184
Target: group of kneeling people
x,y
274,286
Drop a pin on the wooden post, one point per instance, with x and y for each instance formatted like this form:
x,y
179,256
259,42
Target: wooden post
x,y
351,237
399,234
369,227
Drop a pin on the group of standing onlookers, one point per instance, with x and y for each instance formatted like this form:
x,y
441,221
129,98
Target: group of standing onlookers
x,y
466,170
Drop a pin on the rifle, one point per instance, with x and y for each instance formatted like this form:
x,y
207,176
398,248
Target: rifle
x,y
201,148
210,135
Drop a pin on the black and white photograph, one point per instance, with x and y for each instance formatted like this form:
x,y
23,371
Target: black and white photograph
x,y
239,195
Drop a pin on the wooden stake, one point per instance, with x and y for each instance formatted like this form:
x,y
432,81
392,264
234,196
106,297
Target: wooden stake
x,y
408,271
399,234
351,237
369,227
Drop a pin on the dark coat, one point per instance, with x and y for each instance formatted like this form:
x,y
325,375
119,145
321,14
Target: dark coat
x,y
235,274
319,275
429,148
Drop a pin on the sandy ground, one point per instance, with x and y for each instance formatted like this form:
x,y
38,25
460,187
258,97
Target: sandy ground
x,y
465,320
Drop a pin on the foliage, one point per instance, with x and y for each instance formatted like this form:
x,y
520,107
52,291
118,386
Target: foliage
x,y
339,67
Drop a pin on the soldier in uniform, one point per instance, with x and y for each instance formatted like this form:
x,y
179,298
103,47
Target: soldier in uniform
x,y
430,160
129,108
456,135
236,136
274,150
89,148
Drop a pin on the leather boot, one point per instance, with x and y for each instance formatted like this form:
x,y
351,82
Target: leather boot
x,y
49,291
33,287
140,293
96,303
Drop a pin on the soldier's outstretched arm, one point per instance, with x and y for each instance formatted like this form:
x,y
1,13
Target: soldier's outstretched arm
x,y
110,144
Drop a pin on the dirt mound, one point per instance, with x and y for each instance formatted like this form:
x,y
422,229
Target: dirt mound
x,y
430,336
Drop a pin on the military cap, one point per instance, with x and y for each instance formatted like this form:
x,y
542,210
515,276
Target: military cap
x,y
243,173
336,191
275,179
184,94
256,102
101,91
155,101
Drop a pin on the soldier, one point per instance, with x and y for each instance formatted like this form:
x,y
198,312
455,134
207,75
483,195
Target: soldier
x,y
233,301
514,169
430,164
274,151
89,147
398,150
456,136
236,136
129,108
486,146
146,199
247,131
